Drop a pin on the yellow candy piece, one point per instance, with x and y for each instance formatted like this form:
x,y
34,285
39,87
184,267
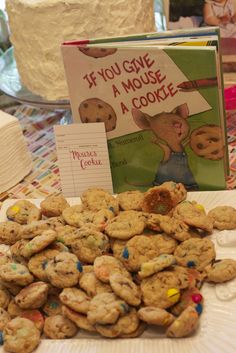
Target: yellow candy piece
x,y
173,294
15,209
200,207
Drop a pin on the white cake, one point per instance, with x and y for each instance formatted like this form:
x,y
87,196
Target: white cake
x,y
38,27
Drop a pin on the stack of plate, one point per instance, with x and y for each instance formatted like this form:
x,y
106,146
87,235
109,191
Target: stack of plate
x,y
15,159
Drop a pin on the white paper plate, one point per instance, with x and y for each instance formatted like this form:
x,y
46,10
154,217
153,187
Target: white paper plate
x,y
217,329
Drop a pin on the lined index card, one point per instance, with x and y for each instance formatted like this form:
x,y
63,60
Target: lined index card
x,y
83,158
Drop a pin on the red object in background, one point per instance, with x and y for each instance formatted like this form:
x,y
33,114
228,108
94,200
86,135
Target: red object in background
x,y
230,98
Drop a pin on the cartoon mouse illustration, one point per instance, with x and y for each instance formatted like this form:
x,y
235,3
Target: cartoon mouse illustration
x,y
171,131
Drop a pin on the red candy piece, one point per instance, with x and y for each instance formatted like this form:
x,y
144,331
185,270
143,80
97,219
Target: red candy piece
x,y
197,298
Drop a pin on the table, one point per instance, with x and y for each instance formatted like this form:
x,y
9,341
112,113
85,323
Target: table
x,y
37,125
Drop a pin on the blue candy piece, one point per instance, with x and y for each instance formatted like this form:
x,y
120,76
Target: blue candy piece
x,y
199,308
124,307
191,264
125,253
79,266
54,305
111,209
1,338
44,264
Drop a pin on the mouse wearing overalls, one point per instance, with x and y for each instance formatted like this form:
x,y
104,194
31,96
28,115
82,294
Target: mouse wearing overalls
x,y
171,131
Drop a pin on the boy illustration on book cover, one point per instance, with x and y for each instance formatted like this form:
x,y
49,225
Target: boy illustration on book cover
x,y
160,109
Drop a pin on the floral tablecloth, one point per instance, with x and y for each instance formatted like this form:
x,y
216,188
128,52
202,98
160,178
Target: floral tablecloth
x,y
37,125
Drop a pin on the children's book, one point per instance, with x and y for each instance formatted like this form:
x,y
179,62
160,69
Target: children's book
x,y
160,97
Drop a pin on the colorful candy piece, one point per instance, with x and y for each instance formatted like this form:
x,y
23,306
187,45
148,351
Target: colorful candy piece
x,y
125,253
173,294
197,298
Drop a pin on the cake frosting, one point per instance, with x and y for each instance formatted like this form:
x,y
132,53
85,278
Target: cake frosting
x,y
38,27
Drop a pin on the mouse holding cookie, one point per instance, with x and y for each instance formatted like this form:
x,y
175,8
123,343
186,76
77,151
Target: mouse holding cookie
x,y
172,134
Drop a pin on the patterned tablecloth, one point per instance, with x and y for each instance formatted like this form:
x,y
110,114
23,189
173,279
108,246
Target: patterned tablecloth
x,y
37,125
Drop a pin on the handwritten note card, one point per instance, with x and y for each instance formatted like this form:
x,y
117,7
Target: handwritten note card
x,y
83,157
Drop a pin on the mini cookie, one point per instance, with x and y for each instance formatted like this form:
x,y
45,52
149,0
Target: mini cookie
x,y
207,142
118,247
5,298
59,327
16,251
57,245
224,217
89,244
12,288
38,243
106,308
155,316
53,306
101,218
39,262
126,324
77,216
96,199
35,228
195,253
53,205
16,274
94,110
35,316
155,265
14,309
66,235
221,271
4,318
161,199
136,333
23,212
164,243
185,324
152,221
126,289
75,299
106,265
97,52
80,320
177,191
33,296
163,289
139,249
189,296
10,232
125,226
64,270
21,336
92,285
5,256
191,214
174,227
131,200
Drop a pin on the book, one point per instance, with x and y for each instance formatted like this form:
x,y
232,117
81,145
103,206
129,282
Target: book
x,y
162,105
199,13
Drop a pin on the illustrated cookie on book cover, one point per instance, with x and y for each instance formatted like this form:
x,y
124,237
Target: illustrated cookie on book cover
x,y
95,110
206,141
97,52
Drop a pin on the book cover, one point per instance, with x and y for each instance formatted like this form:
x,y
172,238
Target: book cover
x,y
161,107
201,13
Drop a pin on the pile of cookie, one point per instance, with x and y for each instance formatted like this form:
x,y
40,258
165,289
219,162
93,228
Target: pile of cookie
x,y
111,265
